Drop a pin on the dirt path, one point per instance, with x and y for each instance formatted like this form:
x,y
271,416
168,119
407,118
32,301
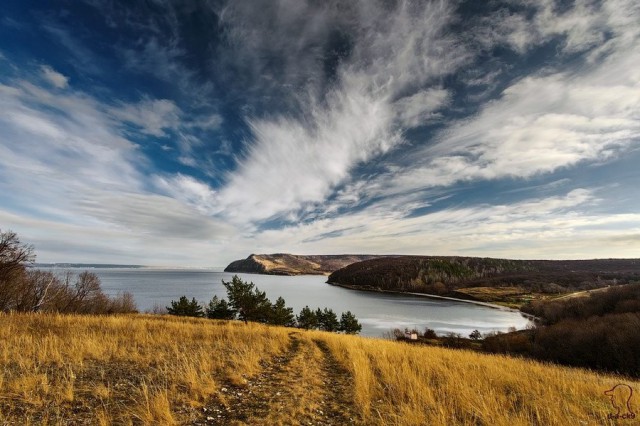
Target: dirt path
x,y
337,390
303,386
581,293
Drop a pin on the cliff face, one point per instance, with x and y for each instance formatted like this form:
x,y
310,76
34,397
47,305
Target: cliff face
x,y
290,264
249,265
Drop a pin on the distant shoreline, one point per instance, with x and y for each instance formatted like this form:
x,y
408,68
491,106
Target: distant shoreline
x,y
433,296
86,265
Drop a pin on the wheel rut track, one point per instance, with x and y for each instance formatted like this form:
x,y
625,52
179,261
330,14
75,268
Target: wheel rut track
x,y
337,389
254,399
305,385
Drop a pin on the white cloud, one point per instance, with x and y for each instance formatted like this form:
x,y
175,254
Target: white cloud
x,y
558,227
582,26
294,161
160,55
75,186
152,116
540,124
191,191
210,122
157,216
54,77
419,108
104,242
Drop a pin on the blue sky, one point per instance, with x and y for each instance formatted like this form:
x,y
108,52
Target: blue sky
x,y
193,133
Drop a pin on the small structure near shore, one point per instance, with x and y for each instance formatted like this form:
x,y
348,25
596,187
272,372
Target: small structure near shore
x,y
411,335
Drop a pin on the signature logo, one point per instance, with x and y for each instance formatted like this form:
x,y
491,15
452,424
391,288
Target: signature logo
x,y
620,396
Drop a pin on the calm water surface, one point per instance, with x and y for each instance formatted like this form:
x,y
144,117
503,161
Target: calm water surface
x,y
376,312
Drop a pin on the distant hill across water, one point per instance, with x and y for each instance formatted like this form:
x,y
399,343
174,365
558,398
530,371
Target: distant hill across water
x,y
292,264
507,282
511,282
84,265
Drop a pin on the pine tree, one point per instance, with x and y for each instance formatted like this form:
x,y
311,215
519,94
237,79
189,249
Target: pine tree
x,y
281,314
250,303
349,324
307,319
184,308
327,320
219,309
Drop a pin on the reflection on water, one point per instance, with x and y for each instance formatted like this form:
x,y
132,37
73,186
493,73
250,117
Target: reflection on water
x,y
376,312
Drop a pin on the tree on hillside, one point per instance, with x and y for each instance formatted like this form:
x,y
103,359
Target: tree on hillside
x,y
349,324
185,308
250,303
327,320
219,309
475,335
281,314
15,256
85,295
307,319
429,333
26,289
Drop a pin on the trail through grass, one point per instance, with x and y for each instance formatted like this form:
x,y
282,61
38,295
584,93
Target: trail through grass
x,y
151,370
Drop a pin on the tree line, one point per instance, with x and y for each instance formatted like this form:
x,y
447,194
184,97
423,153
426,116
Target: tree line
x,y
24,289
247,303
598,331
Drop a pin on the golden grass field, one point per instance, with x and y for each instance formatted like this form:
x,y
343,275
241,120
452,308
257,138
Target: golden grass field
x,y
161,370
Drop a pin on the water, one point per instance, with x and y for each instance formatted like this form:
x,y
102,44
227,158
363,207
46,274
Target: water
x,y
377,312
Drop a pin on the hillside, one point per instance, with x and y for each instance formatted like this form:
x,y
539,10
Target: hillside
x,y
291,264
485,279
141,369
596,329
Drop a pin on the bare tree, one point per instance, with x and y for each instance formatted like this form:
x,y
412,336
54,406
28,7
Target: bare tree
x,y
14,259
34,287
30,290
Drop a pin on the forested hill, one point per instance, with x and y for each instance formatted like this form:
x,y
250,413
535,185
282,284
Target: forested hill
x,y
444,275
291,264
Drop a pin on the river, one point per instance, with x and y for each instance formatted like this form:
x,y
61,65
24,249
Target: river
x,y
377,312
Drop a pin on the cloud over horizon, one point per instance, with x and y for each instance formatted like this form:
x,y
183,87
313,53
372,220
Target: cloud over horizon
x,y
509,129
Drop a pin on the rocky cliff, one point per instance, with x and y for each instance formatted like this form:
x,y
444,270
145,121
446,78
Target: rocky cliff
x,y
291,264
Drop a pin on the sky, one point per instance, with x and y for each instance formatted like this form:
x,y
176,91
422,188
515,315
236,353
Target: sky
x,y
193,133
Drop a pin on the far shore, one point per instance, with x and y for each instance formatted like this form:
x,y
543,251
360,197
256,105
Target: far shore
x,y
433,296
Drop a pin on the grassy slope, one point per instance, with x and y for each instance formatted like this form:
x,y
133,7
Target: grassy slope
x,y
164,370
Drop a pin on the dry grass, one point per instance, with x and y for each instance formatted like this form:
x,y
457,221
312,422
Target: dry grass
x,y
125,369
167,370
